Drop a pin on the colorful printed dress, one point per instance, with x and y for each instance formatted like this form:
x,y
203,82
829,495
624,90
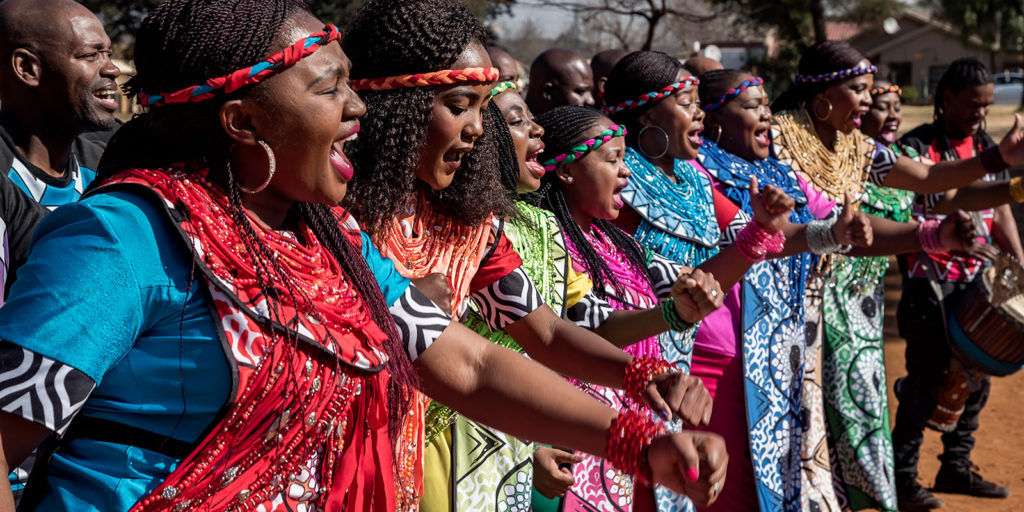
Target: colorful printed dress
x,y
481,266
853,363
178,397
470,466
855,160
772,333
598,486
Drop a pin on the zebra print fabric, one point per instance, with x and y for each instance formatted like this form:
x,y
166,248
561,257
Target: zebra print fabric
x,y
507,300
40,389
419,321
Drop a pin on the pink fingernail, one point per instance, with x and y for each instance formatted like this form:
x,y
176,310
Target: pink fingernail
x,y
692,474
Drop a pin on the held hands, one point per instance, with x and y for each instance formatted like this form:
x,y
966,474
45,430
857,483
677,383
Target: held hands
x,y
696,294
1011,148
680,394
551,475
957,233
852,227
436,288
690,463
771,206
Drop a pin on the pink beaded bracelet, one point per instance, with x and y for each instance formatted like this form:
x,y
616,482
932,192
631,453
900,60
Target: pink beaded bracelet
x,y
928,235
754,242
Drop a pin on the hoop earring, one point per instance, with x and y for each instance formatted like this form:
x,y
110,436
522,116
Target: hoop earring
x,y
640,146
718,134
814,110
273,169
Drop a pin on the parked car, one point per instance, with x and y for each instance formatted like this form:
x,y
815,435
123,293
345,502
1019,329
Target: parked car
x,y
1009,87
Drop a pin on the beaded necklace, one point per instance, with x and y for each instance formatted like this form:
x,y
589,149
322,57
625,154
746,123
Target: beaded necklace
x,y
678,216
842,169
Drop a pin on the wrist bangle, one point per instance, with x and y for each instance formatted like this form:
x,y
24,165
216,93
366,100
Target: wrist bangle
x,y
629,437
1017,189
640,372
672,318
992,160
754,242
820,239
928,235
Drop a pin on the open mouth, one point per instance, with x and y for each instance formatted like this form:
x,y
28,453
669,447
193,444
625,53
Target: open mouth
x,y
107,98
761,137
617,197
337,156
453,159
536,169
888,133
694,137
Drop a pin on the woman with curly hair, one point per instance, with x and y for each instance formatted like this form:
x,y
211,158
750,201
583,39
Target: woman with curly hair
x,y
738,116
584,151
256,351
816,132
427,190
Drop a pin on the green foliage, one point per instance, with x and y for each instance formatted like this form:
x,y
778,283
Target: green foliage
x,y
987,19
911,95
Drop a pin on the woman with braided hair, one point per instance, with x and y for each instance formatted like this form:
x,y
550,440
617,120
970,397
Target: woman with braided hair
x,y
426,78
256,350
816,132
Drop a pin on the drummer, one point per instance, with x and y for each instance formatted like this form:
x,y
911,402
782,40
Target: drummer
x,y
962,100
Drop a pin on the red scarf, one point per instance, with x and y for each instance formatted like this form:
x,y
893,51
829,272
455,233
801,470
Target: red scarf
x,y
307,420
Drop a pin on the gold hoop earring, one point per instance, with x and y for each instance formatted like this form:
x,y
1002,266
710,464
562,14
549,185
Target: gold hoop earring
x,y
814,110
718,134
273,169
640,146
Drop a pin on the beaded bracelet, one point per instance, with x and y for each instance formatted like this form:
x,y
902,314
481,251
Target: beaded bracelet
x,y
835,75
754,242
1017,189
629,436
820,239
928,235
640,372
581,149
672,318
992,160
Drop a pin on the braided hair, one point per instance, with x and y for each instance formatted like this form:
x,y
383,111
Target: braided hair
x,y
715,83
565,127
636,74
388,38
185,42
823,57
505,149
960,74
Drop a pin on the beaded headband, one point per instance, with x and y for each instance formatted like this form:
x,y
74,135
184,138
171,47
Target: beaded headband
x,y
580,150
502,87
877,91
835,75
650,97
235,80
443,77
732,93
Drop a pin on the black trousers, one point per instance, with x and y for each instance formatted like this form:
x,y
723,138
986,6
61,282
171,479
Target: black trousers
x,y
922,325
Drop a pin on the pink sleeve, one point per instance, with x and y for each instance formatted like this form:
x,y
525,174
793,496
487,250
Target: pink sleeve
x,y
819,205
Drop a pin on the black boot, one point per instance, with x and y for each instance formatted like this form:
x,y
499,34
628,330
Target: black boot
x,y
911,497
962,478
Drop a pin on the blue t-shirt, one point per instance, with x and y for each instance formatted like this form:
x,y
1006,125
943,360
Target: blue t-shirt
x,y
136,320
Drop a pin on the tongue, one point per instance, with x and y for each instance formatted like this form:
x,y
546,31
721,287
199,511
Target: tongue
x,y
341,164
535,167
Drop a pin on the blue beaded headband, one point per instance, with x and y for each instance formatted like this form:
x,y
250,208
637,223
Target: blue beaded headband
x,y
835,75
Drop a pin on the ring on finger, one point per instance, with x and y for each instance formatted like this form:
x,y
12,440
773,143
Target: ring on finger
x,y
714,489
714,294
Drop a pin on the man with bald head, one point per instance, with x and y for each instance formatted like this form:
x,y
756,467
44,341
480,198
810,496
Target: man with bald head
x,y
559,77
56,83
601,65
698,65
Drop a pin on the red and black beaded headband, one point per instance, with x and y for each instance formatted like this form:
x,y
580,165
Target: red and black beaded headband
x,y
443,77
835,75
650,97
246,76
878,91
732,93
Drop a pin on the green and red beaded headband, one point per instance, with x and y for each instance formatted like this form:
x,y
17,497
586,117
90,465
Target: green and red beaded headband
x,y
650,97
256,73
580,150
877,91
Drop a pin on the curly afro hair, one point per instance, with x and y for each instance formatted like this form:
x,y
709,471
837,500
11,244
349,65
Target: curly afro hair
x,y
388,38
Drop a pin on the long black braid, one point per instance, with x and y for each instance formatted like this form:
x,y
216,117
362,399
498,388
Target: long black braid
x,y
505,149
636,74
565,127
182,43
396,37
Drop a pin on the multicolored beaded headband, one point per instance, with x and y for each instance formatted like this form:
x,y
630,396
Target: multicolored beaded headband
x,y
650,97
835,75
732,93
233,81
502,87
581,149
443,77
878,91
